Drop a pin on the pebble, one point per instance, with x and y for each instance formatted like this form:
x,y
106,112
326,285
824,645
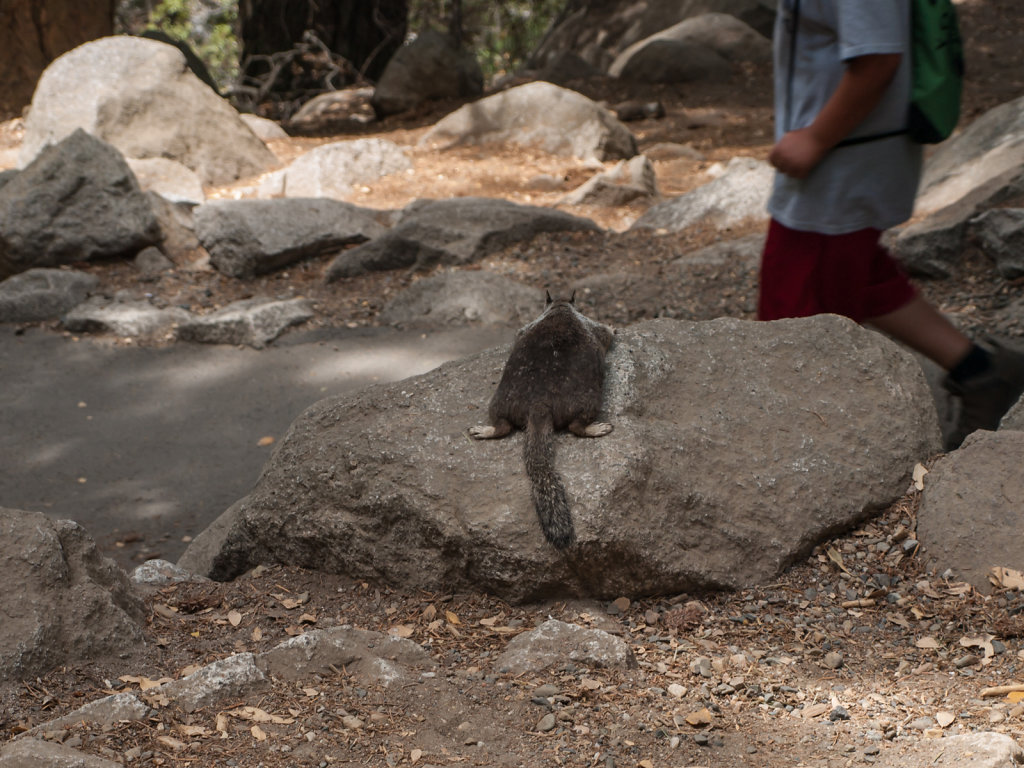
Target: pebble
x,y
547,723
546,691
833,660
921,724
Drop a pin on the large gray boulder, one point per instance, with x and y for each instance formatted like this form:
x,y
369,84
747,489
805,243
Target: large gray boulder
x,y
126,318
934,244
986,149
462,230
599,32
1000,234
626,181
974,171
982,749
969,517
252,237
723,33
542,115
332,170
463,297
737,447
36,753
430,67
700,48
140,96
739,194
254,322
77,201
62,602
43,294
671,61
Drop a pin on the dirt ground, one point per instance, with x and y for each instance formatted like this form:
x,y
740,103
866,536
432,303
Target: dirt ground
x,y
853,655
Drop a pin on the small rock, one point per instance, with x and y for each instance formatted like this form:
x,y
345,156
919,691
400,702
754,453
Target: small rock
x,y
833,660
547,723
921,724
619,606
352,723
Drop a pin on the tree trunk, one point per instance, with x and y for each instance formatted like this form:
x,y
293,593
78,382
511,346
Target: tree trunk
x,y
35,32
365,32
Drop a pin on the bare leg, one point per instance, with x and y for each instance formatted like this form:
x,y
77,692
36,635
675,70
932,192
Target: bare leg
x,y
593,429
485,432
922,327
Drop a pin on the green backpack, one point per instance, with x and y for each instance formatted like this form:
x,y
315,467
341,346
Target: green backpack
x,y
938,71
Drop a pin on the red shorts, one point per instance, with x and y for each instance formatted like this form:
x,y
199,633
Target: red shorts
x,y
806,273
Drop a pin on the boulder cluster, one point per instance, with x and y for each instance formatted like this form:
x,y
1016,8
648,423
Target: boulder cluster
x,y
738,446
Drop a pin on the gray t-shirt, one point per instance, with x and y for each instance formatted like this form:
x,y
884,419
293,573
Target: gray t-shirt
x,y
864,185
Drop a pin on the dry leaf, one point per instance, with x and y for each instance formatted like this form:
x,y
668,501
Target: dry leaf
x,y
835,557
258,733
589,684
429,613
257,634
292,603
222,724
927,643
899,621
985,643
265,441
171,743
415,755
919,473
1007,578
697,719
144,683
234,618
307,618
1015,696
258,715
452,618
944,719
192,730
646,764
815,710
402,630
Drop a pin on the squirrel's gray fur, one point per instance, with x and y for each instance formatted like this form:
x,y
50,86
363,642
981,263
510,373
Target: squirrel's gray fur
x,y
553,379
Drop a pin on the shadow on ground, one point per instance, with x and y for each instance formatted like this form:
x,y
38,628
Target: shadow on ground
x,y
145,447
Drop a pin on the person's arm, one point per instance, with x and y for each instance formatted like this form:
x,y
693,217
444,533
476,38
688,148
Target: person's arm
x,y
858,93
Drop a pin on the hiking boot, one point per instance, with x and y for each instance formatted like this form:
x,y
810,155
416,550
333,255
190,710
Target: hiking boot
x,y
986,397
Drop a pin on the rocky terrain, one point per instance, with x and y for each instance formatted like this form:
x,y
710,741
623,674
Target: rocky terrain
x,y
860,654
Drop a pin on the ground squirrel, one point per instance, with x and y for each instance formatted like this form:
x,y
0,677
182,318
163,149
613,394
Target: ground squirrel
x,y
552,380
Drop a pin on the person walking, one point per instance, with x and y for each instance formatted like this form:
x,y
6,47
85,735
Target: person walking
x,y
843,73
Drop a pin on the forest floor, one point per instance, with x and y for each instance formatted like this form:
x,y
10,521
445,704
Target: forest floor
x,y
851,657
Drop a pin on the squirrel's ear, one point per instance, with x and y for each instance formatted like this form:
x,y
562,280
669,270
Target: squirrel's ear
x,y
548,294
572,299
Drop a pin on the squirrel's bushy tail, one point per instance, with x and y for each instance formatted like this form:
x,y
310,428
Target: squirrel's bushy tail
x,y
549,498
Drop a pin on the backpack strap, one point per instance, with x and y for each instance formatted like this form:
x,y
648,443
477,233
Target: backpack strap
x,y
794,21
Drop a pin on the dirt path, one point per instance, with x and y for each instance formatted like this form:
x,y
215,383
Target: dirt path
x,y
853,657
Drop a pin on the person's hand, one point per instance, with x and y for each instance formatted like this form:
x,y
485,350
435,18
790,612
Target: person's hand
x,y
797,153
